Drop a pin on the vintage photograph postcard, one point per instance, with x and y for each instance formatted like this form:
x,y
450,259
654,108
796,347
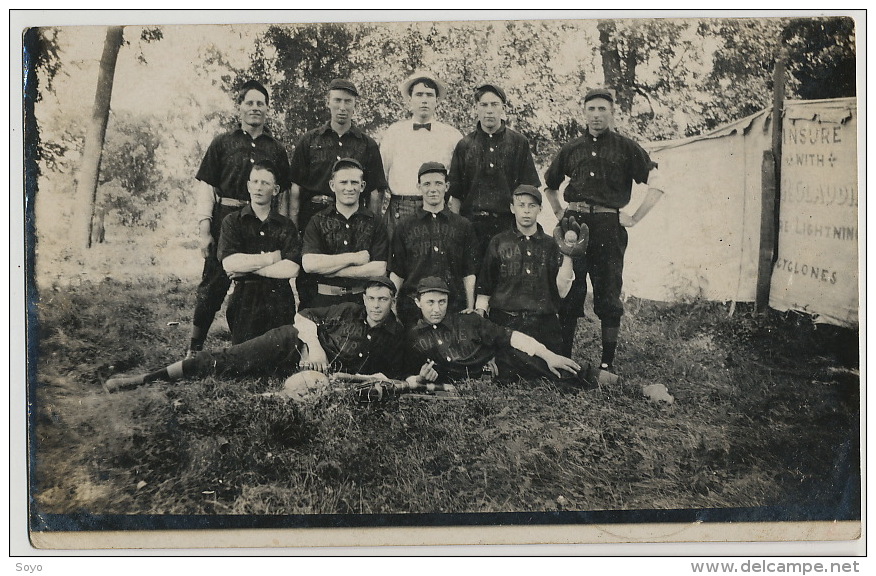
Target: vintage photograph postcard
x,y
434,278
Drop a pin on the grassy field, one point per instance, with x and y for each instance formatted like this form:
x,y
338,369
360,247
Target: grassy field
x,y
766,414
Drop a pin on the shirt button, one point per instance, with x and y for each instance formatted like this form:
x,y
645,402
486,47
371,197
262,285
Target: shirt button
x,y
440,341
262,233
348,225
491,164
338,157
592,174
340,143
448,359
435,248
360,354
492,149
345,242
253,144
527,271
434,326
528,253
252,160
368,336
593,153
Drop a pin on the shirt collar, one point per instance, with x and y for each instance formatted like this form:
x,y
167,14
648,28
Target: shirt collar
x,y
265,132
390,323
498,132
538,231
248,211
354,130
360,211
423,213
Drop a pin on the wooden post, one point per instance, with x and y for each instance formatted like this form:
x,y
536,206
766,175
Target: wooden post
x,y
771,180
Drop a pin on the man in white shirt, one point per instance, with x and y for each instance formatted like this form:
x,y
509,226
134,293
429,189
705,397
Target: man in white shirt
x,y
410,143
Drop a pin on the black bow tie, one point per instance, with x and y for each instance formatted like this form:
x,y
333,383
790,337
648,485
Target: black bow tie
x,y
427,126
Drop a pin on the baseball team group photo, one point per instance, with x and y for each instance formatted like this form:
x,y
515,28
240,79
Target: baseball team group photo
x,y
480,273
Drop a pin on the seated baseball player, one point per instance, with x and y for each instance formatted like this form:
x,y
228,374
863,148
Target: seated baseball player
x,y
348,337
458,345
524,275
260,251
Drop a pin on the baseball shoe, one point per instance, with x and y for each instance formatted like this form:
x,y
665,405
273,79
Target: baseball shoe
x,y
122,383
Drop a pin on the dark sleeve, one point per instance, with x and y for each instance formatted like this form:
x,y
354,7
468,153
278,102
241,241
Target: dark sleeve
x,y
282,163
210,170
641,164
491,334
312,243
528,172
291,248
489,269
230,241
456,176
299,166
398,261
471,259
555,174
379,248
375,177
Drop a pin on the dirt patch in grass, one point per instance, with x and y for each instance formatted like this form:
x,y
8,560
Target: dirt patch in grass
x,y
766,414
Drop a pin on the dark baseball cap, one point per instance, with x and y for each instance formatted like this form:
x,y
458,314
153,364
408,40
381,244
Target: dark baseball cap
x,y
347,163
491,88
432,284
252,85
380,281
531,190
343,84
606,93
427,167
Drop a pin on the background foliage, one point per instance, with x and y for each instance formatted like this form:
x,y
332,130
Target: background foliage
x,y
674,78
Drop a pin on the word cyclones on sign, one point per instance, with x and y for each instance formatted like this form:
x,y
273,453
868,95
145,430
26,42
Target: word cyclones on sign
x,y
807,270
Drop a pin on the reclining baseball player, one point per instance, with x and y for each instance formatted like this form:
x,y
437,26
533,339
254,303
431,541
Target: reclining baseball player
x,y
345,337
456,346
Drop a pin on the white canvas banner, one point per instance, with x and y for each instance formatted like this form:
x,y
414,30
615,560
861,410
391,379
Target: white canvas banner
x,y
817,266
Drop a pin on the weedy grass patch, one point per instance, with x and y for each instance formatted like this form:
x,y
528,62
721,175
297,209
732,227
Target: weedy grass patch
x,y
766,413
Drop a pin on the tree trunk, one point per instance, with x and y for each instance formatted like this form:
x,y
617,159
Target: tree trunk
x,y
89,169
611,61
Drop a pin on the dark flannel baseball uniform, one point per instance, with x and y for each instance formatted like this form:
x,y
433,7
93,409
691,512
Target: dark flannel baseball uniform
x,y
519,274
314,157
329,232
428,244
601,170
484,172
353,345
259,304
343,332
226,167
461,344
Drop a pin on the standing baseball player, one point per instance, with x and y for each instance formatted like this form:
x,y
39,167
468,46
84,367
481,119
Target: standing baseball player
x,y
260,250
433,242
487,166
601,166
348,337
456,346
223,175
346,242
524,276
407,144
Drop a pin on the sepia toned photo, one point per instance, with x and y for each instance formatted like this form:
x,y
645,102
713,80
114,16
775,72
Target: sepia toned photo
x,y
408,281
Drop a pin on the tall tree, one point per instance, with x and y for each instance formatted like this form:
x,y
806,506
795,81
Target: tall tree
x,y
86,189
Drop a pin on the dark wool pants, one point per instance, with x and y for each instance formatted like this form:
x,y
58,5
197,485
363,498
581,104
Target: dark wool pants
x,y
214,281
513,363
274,351
604,263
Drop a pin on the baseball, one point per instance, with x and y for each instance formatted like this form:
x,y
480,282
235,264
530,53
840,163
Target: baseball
x,y
570,237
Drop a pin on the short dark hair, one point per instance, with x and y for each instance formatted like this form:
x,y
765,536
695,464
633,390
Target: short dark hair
x,y
267,166
427,82
252,85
